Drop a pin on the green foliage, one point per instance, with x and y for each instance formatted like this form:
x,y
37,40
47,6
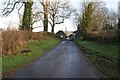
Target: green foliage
x,y
88,14
38,48
27,20
86,18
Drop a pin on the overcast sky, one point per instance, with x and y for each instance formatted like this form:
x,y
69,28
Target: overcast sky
x,y
13,17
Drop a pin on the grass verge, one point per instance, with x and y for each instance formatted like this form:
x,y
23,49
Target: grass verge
x,y
12,62
103,56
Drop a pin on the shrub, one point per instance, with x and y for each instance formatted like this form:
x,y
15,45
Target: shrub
x,y
105,35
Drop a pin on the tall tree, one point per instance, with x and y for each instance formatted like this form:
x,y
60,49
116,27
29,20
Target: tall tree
x,y
86,16
99,17
10,5
45,4
93,17
27,20
58,12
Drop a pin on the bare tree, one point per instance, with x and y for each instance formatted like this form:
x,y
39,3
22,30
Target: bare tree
x,y
112,20
99,17
10,5
58,12
36,17
54,12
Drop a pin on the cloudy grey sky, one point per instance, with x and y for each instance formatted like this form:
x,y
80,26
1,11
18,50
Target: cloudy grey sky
x,y
13,19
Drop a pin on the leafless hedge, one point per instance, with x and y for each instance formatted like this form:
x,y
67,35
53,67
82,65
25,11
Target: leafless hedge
x,y
105,35
13,40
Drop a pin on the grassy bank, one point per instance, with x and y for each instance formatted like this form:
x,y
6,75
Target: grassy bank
x,y
109,50
103,56
37,47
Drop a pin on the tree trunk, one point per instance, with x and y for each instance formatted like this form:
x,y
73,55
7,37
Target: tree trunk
x,y
26,21
119,23
53,24
52,30
45,23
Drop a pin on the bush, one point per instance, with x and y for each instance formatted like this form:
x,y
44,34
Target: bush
x,y
105,35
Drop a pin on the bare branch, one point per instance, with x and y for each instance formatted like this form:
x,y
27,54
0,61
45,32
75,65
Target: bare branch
x,y
59,22
50,23
9,10
35,21
20,7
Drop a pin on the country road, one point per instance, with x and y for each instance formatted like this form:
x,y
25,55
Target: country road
x,y
64,61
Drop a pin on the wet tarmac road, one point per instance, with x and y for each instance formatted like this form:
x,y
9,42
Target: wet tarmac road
x,y
64,61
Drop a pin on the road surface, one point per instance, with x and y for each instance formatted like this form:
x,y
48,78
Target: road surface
x,y
64,61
